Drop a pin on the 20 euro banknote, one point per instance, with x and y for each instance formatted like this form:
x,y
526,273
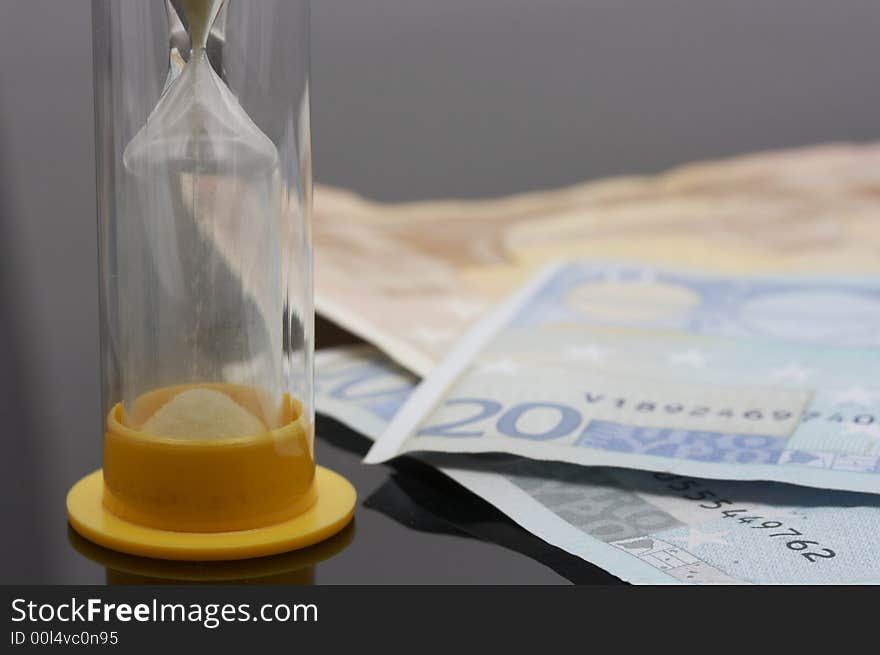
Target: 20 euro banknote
x,y
647,528
637,367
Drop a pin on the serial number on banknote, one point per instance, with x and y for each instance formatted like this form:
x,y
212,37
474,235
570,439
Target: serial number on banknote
x,y
839,417
647,406
757,414
794,539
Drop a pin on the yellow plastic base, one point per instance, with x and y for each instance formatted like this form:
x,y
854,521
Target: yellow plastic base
x,y
331,512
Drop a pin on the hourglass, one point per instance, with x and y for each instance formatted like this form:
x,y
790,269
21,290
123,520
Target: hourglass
x,y
204,186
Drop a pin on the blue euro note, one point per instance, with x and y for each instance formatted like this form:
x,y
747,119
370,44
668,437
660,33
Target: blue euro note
x,y
644,527
745,378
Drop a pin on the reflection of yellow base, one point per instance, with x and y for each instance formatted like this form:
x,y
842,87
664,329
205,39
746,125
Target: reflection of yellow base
x,y
294,567
331,512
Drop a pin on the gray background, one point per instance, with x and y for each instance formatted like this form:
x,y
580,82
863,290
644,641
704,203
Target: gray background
x,y
411,99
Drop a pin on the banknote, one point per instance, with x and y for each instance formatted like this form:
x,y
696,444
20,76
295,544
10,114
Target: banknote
x,y
640,367
411,277
646,528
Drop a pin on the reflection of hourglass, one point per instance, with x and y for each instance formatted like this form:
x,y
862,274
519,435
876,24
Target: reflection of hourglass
x,y
206,285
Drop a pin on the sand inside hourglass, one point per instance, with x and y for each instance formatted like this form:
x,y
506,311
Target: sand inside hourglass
x,y
202,414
